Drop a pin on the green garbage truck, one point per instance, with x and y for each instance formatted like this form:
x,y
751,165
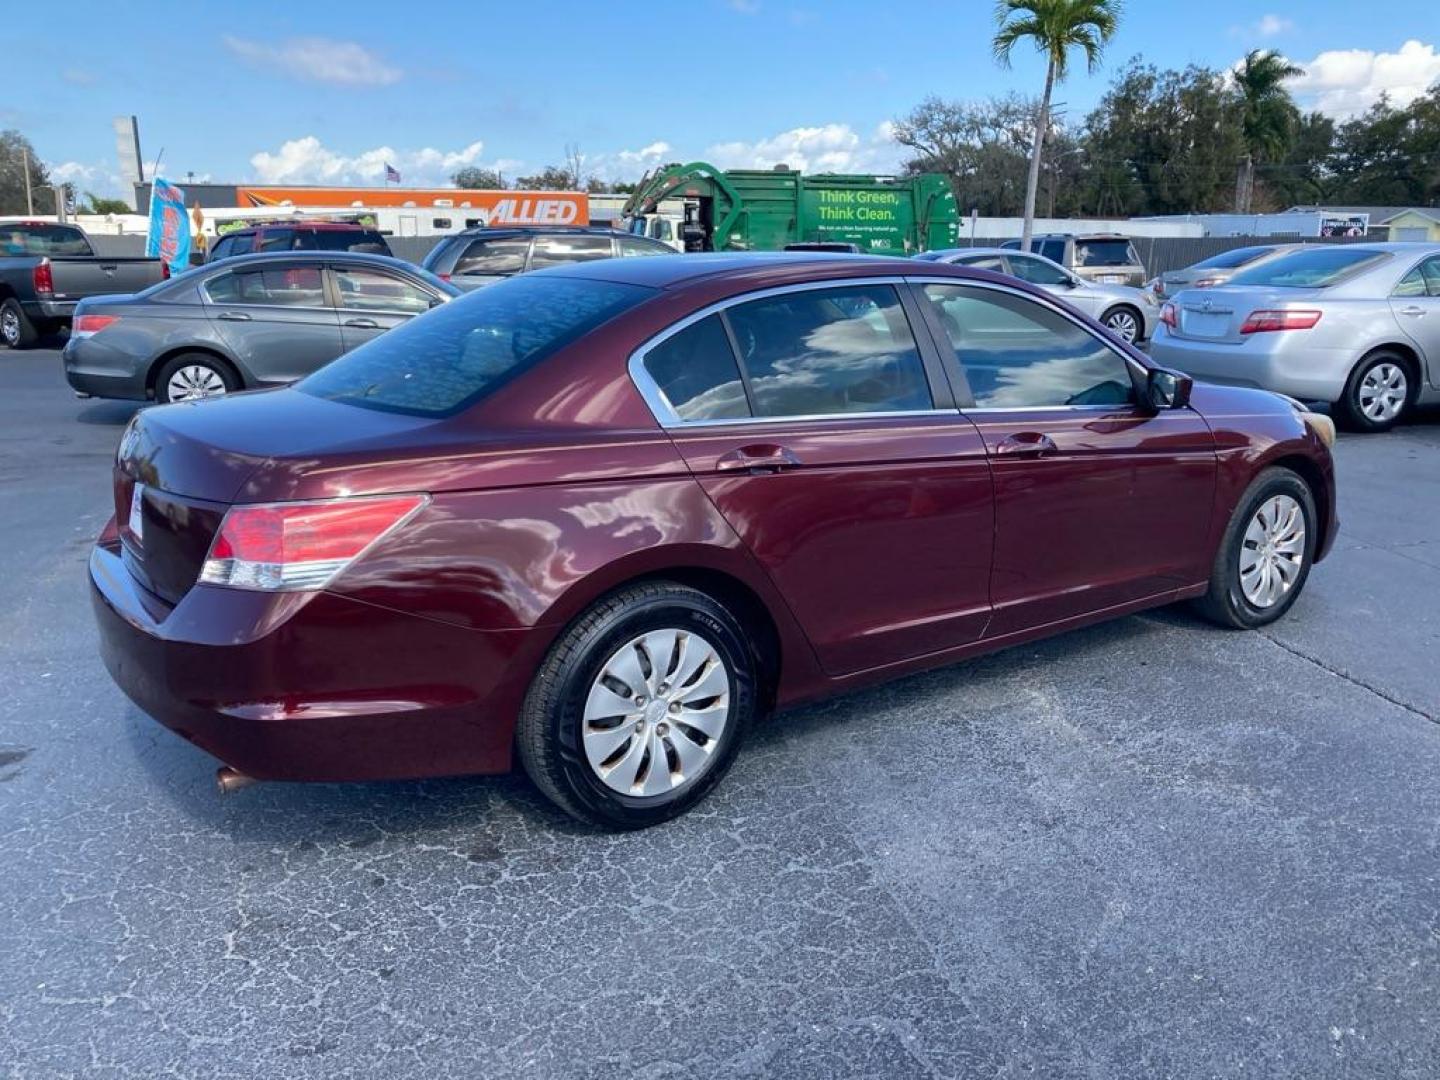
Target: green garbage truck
x,y
764,210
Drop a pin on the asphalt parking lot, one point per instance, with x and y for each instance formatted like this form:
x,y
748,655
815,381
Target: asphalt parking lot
x,y
1150,849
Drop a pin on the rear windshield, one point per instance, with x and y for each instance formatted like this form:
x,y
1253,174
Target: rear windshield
x,y
42,240
1104,253
1229,260
367,240
441,362
1308,269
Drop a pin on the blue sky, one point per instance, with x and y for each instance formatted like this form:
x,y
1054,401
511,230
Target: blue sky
x,y
296,93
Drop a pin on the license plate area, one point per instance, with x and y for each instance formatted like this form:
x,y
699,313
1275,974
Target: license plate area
x,y
1208,324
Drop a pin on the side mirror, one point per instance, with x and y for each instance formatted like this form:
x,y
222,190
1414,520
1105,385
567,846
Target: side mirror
x,y
1166,389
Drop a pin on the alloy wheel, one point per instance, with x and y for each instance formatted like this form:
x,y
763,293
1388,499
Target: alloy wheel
x,y
1383,391
1123,325
10,327
194,381
655,713
1272,553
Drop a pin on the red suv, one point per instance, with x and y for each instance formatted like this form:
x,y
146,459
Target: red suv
x,y
602,516
300,236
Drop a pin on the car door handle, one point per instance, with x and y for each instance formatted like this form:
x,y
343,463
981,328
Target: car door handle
x,y
234,316
757,458
363,324
1027,444
1417,312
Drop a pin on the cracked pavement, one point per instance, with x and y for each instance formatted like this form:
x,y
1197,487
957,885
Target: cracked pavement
x,y
1149,849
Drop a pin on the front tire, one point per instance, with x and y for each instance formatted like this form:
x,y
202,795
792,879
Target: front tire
x,y
192,376
1265,555
640,707
1125,323
16,329
1378,393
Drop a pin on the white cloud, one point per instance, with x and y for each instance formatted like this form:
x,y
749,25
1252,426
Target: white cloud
x,y
646,156
316,59
100,177
1345,82
1273,25
827,148
309,161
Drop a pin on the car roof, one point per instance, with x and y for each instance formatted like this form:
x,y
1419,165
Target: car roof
x,y
342,226
759,268
362,258
534,230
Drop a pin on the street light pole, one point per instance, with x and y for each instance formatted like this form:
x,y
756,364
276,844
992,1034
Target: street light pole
x,y
29,199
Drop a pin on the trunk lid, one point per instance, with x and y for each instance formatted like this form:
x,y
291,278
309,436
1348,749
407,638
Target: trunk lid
x,y
179,468
1218,314
79,276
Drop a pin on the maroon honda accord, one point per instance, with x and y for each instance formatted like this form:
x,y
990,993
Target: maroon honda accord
x,y
602,517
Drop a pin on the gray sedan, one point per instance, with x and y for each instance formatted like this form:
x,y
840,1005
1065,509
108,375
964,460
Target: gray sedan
x,y
1217,269
1356,325
249,321
1127,312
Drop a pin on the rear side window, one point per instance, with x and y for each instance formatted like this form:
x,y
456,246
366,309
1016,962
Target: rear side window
x,y
362,240
295,286
1422,280
242,244
493,257
1308,269
458,353
695,370
829,352
1229,260
1054,250
1018,354
558,250
629,246
42,240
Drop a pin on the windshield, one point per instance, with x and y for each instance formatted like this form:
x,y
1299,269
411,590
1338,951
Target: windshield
x,y
1229,260
1104,253
42,240
1308,269
439,363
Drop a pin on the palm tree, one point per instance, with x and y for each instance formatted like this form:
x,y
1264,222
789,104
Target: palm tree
x,y
1267,115
1055,27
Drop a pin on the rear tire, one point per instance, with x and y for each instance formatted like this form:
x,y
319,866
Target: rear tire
x,y
1379,392
192,376
16,329
1274,523
607,738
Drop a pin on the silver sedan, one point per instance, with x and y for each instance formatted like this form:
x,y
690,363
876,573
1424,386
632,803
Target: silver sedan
x,y
1127,312
1355,325
1217,269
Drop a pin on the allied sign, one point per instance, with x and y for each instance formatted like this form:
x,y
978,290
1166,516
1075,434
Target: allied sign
x,y
493,207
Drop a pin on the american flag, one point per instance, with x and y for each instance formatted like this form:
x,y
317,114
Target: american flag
x,y
391,173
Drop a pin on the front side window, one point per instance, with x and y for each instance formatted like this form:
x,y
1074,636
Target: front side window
x,y
465,349
295,286
1037,271
558,250
1019,354
696,372
371,290
495,258
825,352
983,262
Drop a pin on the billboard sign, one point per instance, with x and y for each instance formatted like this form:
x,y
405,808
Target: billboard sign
x,y
495,207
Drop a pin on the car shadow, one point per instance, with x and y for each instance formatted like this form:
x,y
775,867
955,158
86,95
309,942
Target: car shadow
x,y
108,413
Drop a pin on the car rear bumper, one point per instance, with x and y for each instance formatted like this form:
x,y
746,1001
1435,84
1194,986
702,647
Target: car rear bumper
x,y
49,311
1279,361
312,686
91,367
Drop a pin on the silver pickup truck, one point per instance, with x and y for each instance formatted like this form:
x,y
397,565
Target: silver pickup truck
x,y
47,268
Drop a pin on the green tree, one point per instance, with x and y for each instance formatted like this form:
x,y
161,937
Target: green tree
x,y
1267,116
1054,27
550,178
1304,177
99,205
14,149
473,178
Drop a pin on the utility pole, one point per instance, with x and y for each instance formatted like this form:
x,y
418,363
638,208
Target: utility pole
x,y
29,199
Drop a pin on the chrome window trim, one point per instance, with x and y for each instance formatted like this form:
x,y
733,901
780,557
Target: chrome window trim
x,y
666,416
1136,368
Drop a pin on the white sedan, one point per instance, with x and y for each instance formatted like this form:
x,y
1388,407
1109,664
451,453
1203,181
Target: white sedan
x,y
1127,312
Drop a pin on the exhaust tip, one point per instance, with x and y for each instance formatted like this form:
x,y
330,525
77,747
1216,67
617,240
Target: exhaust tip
x,y
230,780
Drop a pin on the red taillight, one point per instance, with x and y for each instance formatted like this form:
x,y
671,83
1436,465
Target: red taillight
x,y
1263,322
443,277
301,545
86,325
110,534
43,278
1167,315
164,270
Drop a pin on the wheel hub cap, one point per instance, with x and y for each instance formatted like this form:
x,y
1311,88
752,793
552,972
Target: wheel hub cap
x,y
195,381
1383,392
655,713
1272,552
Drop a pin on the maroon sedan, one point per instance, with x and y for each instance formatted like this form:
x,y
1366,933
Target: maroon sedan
x,y
602,517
